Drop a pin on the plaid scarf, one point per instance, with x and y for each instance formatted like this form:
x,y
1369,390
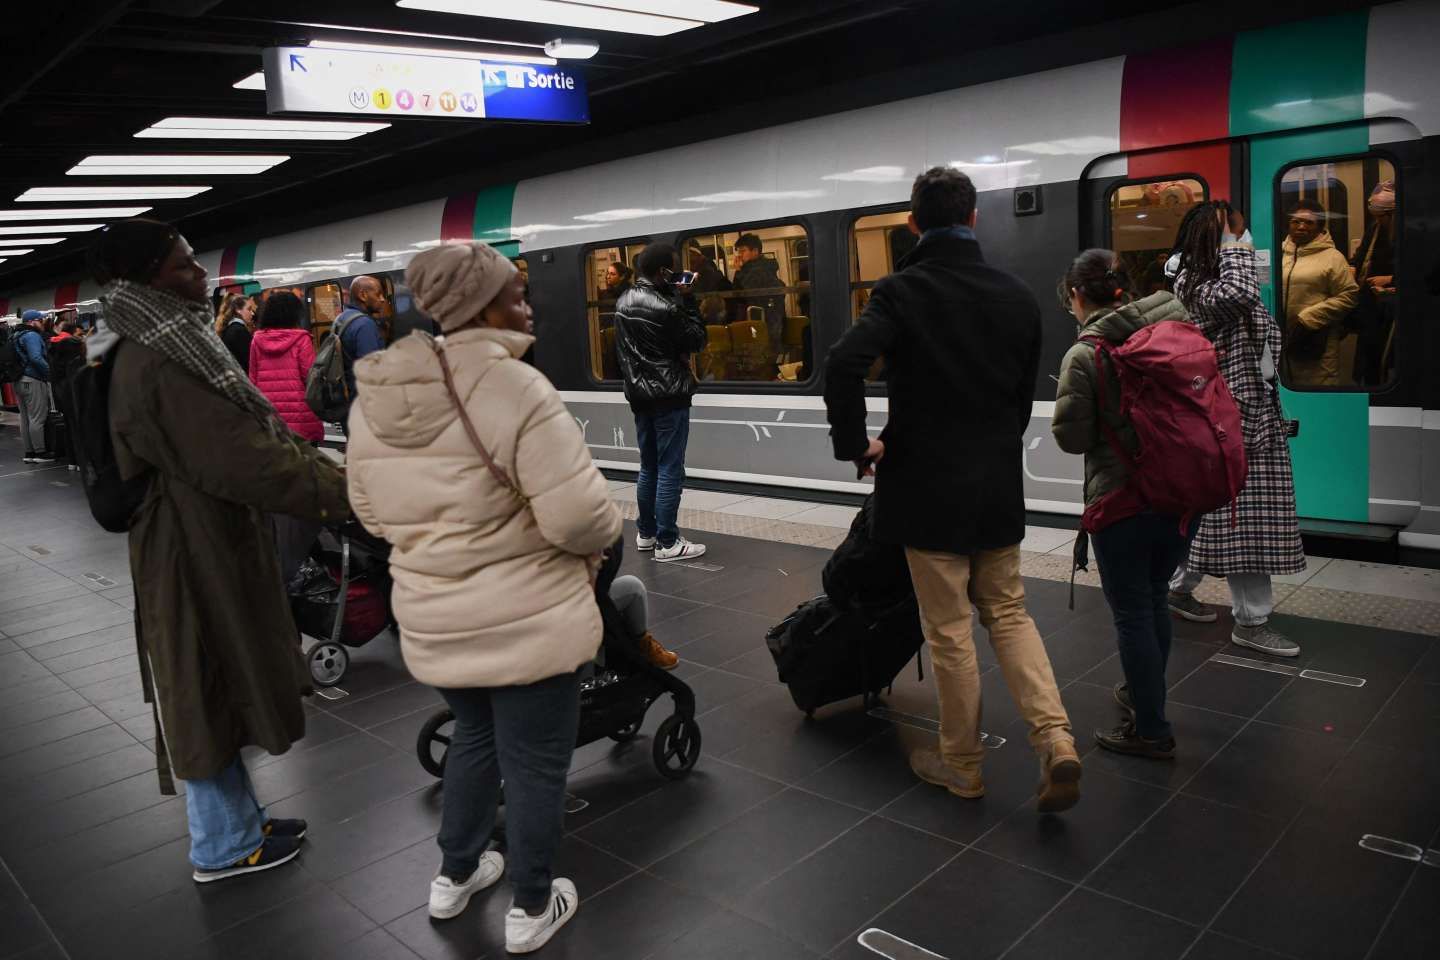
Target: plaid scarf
x,y
184,332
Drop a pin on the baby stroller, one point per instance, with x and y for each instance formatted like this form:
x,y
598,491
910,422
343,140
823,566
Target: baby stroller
x,y
616,690
341,596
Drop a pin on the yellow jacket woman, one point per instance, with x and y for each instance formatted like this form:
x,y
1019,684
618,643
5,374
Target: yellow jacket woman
x,y
1319,292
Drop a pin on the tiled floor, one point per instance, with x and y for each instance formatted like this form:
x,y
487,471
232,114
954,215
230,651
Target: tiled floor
x,y
791,838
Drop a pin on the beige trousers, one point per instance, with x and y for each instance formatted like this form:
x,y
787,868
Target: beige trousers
x,y
946,585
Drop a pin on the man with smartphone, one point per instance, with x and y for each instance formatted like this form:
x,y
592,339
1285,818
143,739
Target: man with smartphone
x,y
657,327
961,343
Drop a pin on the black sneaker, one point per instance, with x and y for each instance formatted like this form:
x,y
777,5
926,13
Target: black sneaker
x,y
273,852
44,456
285,828
1124,739
1122,697
29,457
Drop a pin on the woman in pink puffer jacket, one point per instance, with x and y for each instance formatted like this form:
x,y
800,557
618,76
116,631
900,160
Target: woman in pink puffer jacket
x,y
281,355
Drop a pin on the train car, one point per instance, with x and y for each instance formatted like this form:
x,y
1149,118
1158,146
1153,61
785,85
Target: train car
x,y
1109,153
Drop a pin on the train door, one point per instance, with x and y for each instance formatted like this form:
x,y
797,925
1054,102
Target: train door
x,y
1334,213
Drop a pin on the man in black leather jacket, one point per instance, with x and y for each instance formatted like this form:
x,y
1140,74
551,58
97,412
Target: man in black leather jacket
x,y
657,327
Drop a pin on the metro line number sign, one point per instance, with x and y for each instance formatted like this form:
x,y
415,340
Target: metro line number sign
x,y
308,80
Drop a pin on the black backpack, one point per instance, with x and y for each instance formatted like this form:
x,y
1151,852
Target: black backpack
x,y
864,574
113,501
327,391
12,364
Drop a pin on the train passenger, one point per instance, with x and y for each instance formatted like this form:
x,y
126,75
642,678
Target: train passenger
x,y
1138,554
1319,291
281,355
359,327
220,657
1217,284
235,323
756,272
67,354
465,459
1374,267
657,327
33,386
948,473
632,599
618,279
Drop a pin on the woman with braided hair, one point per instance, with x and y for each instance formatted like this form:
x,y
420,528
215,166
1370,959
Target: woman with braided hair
x,y
219,654
1215,281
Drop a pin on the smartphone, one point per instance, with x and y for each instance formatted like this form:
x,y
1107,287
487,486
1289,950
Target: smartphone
x,y
684,278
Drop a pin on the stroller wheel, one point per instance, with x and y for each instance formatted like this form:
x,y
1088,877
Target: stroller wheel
x,y
677,747
628,732
434,741
328,663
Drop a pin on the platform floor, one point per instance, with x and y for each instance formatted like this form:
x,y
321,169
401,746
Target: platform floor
x,y
790,839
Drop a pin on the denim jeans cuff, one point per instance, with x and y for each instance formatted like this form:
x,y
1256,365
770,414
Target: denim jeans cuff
x,y
532,900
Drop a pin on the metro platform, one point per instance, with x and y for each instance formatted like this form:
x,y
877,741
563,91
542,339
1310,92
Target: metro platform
x,y
792,838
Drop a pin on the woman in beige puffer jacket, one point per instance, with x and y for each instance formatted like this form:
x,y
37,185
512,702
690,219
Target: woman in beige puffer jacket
x,y
492,584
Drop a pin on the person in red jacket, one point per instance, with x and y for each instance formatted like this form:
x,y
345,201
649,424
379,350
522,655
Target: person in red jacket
x,y
281,355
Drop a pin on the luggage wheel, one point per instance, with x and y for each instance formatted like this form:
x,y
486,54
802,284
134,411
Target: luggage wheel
x,y
628,732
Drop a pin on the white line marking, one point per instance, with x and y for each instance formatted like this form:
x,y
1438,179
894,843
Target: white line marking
x,y
1398,849
895,948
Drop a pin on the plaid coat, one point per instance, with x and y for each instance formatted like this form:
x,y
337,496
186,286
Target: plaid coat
x,y
1265,537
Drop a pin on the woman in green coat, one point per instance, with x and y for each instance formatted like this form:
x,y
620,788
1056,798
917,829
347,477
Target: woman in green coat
x,y
219,652
1138,554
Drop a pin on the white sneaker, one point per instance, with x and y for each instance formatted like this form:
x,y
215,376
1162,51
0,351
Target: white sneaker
x,y
449,899
526,934
644,543
681,549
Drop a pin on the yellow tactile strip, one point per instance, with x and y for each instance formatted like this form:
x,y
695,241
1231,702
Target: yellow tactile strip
x,y
1340,606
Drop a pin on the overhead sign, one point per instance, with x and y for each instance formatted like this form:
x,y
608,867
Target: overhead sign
x,y
308,80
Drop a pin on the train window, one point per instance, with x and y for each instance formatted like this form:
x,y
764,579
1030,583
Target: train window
x,y
326,303
877,244
1144,219
754,294
609,272
1335,281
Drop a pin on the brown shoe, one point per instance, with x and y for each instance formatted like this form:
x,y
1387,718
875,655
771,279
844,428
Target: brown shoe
x,y
1059,778
932,768
657,655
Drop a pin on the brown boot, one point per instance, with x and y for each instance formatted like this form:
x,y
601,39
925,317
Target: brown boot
x,y
657,655
929,766
1059,778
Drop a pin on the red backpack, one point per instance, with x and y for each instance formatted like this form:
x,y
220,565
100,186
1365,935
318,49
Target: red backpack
x,y
1191,457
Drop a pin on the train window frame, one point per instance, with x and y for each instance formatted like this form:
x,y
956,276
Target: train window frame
x,y
1280,229
853,217
591,330
1114,188
807,224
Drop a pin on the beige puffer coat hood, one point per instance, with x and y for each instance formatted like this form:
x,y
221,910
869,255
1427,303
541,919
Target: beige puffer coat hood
x,y
488,591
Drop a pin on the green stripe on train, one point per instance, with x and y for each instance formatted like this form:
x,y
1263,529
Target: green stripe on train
x,y
1305,75
245,265
493,207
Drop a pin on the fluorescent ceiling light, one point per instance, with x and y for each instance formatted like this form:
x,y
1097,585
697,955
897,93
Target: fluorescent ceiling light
x,y
563,49
151,165
585,16
107,213
49,228
42,194
36,241
16,253
3,259
475,54
256,81
409,33
256,128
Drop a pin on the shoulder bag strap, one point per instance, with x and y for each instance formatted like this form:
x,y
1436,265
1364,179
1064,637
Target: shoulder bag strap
x,y
500,476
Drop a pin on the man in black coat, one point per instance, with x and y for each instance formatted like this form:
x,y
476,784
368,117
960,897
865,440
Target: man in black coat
x,y
657,328
961,344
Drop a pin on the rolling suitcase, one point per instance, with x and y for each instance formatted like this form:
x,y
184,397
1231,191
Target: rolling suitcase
x,y
57,434
825,653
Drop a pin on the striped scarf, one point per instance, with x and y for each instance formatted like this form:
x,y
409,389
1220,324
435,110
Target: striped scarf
x,y
183,332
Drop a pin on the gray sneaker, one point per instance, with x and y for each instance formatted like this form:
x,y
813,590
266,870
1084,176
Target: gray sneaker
x,y
1266,640
1185,606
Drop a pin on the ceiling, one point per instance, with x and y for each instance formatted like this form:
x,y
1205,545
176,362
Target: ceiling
x,y
90,73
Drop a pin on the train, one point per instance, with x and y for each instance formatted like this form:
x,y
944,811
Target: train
x,y
1109,153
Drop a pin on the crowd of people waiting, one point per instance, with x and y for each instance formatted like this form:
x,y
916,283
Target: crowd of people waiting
x,y
464,458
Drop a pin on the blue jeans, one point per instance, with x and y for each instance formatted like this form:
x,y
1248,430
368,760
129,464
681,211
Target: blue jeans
x,y
1137,555
226,821
662,438
524,735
